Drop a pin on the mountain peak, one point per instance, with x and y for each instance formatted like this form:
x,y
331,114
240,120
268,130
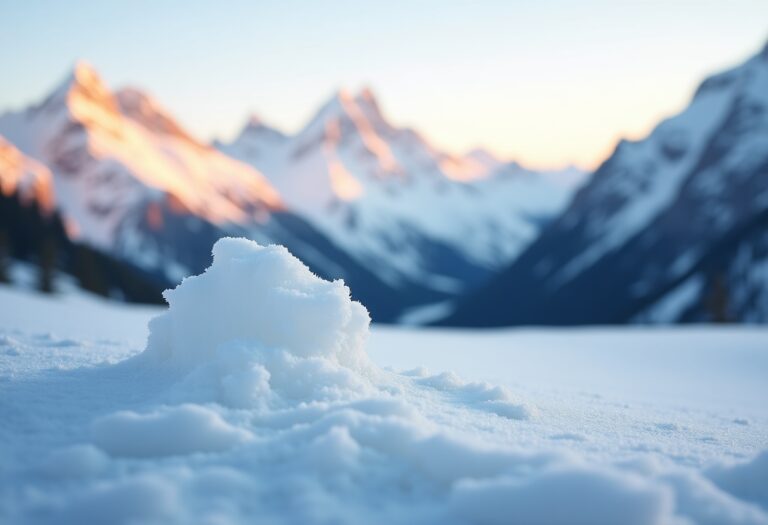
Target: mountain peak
x,y
366,94
256,127
82,83
84,78
84,73
366,100
254,121
343,99
343,95
484,156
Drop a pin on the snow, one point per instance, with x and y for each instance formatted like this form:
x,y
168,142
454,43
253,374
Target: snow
x,y
259,398
170,431
748,481
259,295
584,496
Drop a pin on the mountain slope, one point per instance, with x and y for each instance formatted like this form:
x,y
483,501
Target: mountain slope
x,y
33,239
685,203
24,177
414,213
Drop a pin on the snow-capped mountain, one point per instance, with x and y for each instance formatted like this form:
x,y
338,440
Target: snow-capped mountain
x,y
669,228
355,197
413,212
129,180
118,159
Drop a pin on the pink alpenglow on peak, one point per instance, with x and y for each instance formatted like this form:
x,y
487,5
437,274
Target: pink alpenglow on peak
x,y
113,156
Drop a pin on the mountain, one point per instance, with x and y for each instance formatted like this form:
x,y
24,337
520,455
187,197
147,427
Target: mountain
x,y
130,182
671,228
353,196
256,144
412,212
117,169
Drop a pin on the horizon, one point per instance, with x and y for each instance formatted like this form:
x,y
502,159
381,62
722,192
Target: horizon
x,y
539,122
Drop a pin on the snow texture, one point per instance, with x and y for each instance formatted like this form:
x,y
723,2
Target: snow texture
x,y
255,400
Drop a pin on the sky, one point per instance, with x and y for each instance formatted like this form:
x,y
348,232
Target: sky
x,y
546,82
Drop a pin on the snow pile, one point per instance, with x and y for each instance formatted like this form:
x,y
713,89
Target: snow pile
x,y
262,295
255,401
258,327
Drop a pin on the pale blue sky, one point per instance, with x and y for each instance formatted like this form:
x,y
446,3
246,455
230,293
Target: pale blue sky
x,y
545,82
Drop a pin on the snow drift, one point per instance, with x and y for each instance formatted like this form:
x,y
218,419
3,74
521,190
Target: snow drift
x,y
255,401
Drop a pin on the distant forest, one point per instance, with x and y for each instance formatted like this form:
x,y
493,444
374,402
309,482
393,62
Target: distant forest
x,y
29,234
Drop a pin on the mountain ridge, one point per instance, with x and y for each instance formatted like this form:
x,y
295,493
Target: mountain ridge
x,y
129,180
655,210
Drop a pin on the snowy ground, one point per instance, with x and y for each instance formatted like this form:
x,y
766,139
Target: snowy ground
x,y
214,425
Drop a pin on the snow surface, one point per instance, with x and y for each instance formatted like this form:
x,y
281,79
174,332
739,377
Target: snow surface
x,y
258,398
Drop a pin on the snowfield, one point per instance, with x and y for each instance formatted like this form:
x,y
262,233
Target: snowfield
x,y
260,396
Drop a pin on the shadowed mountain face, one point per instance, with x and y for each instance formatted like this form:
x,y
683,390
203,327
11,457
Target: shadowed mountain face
x,y
346,195
671,228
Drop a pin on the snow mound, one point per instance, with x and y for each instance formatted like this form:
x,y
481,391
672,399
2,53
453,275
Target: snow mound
x,y
258,329
263,295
